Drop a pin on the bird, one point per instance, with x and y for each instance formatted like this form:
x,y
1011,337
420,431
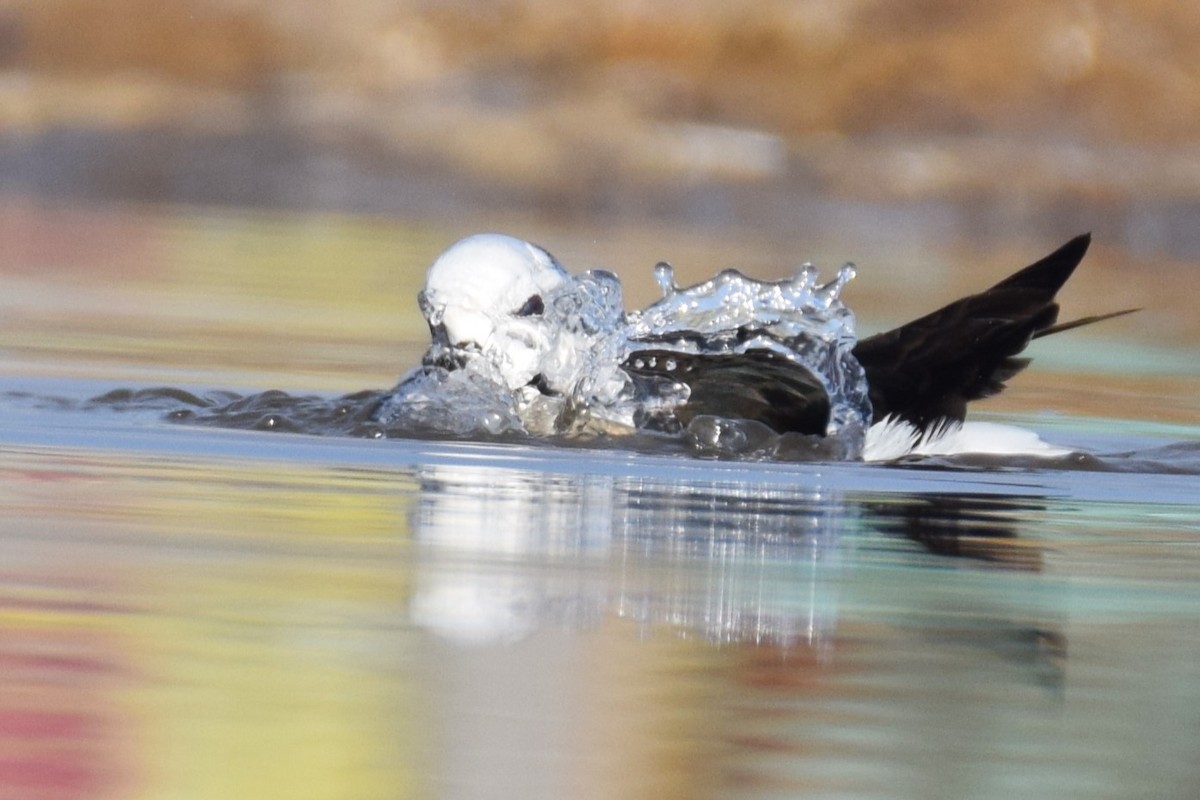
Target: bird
x,y
508,310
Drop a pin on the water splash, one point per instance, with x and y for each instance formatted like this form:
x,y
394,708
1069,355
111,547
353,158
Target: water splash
x,y
577,386
584,338
732,314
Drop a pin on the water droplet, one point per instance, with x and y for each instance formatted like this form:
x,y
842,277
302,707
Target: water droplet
x,y
664,275
493,423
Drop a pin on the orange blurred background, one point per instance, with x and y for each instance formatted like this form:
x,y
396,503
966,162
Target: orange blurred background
x,y
1028,114
899,136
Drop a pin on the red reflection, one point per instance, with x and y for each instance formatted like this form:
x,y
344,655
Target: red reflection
x,y
58,722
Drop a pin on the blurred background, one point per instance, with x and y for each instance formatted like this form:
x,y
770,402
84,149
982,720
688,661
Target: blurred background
x,y
938,145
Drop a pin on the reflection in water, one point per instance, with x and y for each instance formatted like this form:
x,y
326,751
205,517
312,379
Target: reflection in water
x,y
758,570
171,629
511,552
61,726
730,562
507,552
984,527
471,623
495,532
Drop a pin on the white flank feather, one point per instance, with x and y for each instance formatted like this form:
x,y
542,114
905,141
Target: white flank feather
x,y
894,438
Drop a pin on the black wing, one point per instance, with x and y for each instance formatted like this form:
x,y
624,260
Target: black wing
x,y
929,369
758,385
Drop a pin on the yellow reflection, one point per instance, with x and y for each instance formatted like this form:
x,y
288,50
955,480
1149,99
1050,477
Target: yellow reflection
x,y
182,288
276,680
204,630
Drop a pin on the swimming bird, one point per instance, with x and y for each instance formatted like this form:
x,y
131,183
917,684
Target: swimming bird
x,y
505,306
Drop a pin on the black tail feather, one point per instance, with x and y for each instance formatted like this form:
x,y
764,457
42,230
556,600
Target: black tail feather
x,y
928,370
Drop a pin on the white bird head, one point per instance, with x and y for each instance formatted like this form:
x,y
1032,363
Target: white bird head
x,y
504,311
487,294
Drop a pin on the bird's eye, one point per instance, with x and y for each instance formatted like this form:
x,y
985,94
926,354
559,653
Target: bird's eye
x,y
533,307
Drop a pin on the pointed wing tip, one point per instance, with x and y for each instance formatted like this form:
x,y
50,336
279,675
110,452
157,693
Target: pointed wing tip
x,y
1079,244
1048,274
1074,250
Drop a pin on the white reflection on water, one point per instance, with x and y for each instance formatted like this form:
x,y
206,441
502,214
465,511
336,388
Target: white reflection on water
x,y
729,561
606,633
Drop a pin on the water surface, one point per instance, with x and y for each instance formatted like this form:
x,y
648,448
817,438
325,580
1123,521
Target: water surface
x,y
201,611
